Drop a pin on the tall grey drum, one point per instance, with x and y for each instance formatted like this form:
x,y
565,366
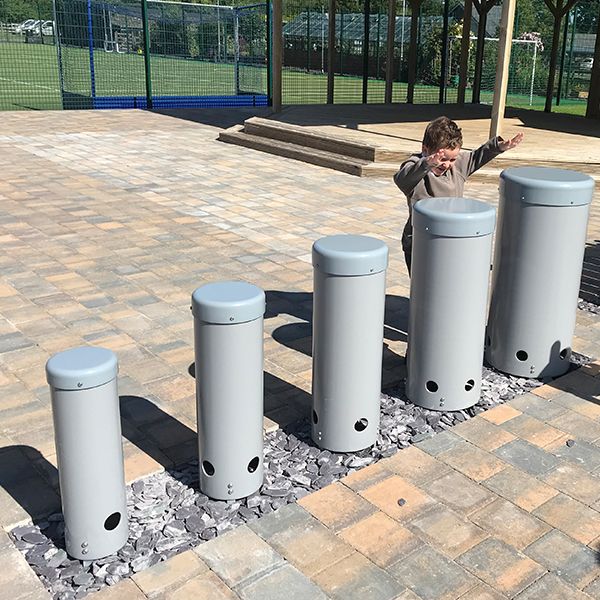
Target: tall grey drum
x,y
349,306
228,333
89,450
452,245
538,258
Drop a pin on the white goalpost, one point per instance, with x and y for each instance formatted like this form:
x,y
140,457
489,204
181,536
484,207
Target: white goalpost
x,y
531,45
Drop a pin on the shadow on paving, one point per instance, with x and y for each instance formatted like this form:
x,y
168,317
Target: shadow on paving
x,y
298,335
222,118
352,116
32,481
155,432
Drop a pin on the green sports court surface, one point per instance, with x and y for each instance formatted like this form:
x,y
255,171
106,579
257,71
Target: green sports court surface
x,y
29,79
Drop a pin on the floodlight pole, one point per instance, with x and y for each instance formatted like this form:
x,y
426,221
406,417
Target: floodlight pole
x,y
507,21
147,70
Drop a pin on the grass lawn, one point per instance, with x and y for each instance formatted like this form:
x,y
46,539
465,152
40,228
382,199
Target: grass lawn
x,y
29,79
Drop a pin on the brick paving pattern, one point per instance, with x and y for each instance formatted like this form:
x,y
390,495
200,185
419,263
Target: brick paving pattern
x,y
110,220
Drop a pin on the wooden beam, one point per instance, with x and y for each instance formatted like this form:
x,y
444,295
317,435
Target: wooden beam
x,y
277,54
391,47
507,22
464,52
330,50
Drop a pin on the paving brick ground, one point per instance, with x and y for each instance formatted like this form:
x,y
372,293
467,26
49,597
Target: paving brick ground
x,y
108,222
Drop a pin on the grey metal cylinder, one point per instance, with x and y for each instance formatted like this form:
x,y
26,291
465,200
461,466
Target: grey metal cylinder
x,y
452,247
348,313
228,332
538,257
89,450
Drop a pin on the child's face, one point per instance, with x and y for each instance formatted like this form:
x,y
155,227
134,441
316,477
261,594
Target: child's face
x,y
448,158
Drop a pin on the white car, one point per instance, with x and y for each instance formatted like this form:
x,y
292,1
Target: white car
x,y
48,28
33,28
25,25
586,64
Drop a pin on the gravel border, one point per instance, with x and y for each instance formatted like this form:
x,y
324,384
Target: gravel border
x,y
168,515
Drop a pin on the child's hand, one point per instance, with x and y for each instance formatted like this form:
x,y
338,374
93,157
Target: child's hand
x,y
436,158
505,145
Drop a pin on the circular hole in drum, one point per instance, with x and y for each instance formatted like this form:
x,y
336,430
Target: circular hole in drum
x,y
112,521
253,464
522,355
208,468
431,386
564,353
469,385
315,417
361,424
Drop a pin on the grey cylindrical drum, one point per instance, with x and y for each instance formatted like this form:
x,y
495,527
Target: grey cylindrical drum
x,y
538,258
348,313
228,332
452,245
89,450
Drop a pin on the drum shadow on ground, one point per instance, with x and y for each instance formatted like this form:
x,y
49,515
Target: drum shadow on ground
x,y
297,335
156,433
32,482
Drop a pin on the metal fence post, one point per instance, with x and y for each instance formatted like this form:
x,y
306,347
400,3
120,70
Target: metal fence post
x,y
147,69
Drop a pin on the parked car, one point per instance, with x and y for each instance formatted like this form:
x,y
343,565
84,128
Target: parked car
x,y
586,64
25,25
48,28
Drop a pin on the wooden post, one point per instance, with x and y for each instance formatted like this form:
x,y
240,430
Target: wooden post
x,y
507,21
277,54
391,45
330,50
415,6
444,75
593,105
558,12
464,52
483,10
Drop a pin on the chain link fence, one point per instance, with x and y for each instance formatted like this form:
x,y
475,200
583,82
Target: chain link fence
x,y
92,53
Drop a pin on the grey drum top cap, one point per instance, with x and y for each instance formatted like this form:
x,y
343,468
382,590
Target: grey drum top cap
x,y
454,217
547,186
81,368
228,302
350,255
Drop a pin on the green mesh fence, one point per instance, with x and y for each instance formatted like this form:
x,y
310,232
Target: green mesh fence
x,y
90,53
28,60
199,54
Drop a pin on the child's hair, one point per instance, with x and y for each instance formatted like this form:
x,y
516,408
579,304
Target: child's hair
x,y
442,133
